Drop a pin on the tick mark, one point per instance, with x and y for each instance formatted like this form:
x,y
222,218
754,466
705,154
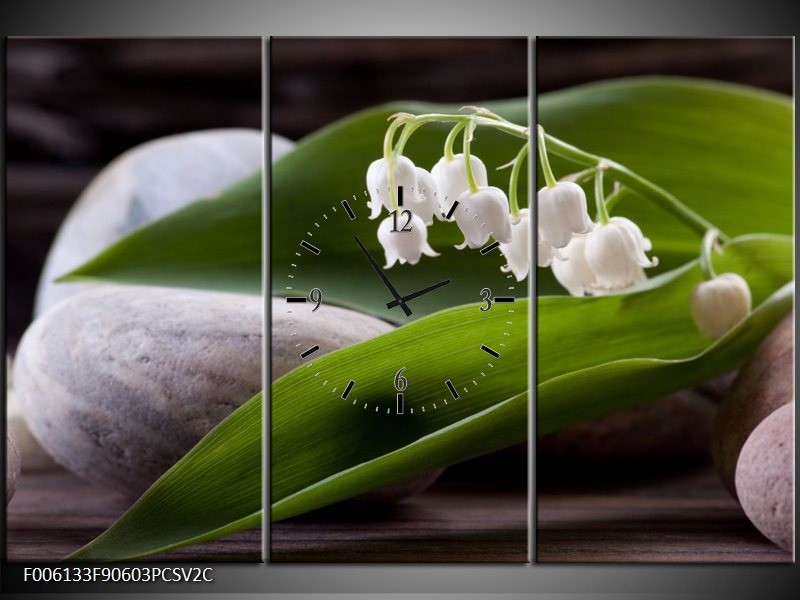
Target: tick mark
x,y
310,351
346,391
488,350
400,403
490,247
452,210
348,210
452,389
296,299
504,299
399,195
310,247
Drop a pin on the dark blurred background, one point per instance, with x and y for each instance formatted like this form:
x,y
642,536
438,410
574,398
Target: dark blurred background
x,y
761,62
75,104
316,81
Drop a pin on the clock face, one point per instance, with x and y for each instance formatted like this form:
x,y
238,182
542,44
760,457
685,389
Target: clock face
x,y
489,294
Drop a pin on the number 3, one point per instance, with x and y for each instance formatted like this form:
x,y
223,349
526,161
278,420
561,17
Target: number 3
x,y
486,295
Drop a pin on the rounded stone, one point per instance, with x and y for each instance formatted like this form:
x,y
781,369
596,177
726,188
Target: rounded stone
x,y
12,468
144,184
677,426
764,384
36,459
765,477
119,382
330,327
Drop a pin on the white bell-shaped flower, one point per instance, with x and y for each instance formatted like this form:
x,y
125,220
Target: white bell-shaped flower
x,y
423,201
451,178
615,252
572,271
719,304
404,246
517,252
545,253
405,174
562,212
481,214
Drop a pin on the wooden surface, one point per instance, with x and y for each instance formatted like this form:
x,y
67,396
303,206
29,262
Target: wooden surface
x,y
442,524
54,513
684,517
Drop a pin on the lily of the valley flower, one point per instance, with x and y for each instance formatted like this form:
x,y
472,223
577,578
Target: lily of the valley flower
x,y
405,174
615,252
451,178
720,303
404,246
516,252
545,253
571,269
562,212
481,214
424,201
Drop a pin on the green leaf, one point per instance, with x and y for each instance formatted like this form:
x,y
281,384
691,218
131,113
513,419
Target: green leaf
x,y
212,491
214,243
494,428
331,165
724,150
325,448
600,354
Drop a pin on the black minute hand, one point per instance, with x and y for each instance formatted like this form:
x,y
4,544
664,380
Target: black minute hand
x,y
417,294
398,300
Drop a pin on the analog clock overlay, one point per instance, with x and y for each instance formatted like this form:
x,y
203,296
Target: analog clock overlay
x,y
492,293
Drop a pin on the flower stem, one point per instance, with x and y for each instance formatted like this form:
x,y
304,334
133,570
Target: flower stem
x,y
408,130
599,197
389,156
473,185
451,139
618,193
638,184
512,182
549,179
706,248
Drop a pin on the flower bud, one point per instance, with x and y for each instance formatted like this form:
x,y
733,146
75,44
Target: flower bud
x,y
572,271
615,252
405,175
404,246
719,304
516,252
481,214
451,178
562,212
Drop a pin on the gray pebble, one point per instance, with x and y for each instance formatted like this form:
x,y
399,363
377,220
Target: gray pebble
x,y
119,382
765,383
765,477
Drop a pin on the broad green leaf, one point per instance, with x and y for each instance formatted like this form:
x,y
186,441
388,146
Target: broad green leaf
x,y
214,243
330,166
318,436
602,389
494,428
212,491
724,150
582,341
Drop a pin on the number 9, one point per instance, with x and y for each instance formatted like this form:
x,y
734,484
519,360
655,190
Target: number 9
x,y
315,295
